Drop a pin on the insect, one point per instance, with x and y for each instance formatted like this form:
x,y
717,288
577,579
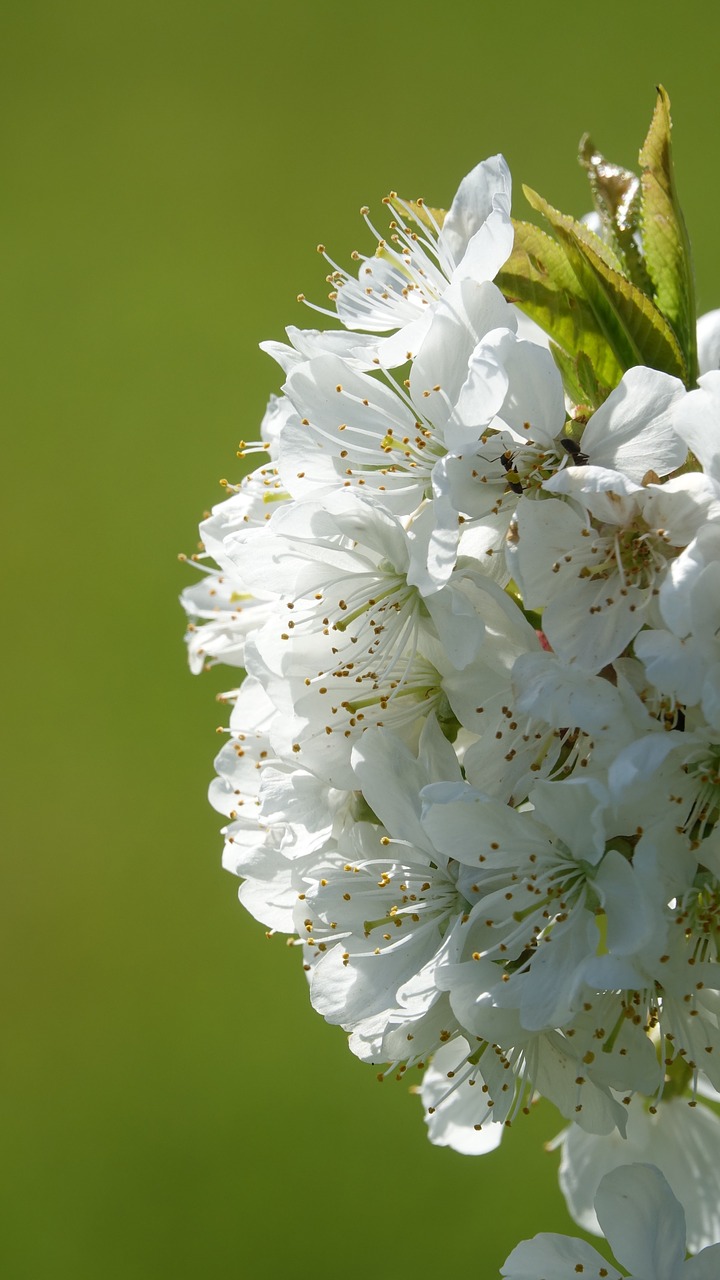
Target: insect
x,y
506,460
572,447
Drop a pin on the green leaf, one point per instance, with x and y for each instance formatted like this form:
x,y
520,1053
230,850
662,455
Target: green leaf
x,y
665,239
539,279
571,380
579,378
634,328
617,196
579,230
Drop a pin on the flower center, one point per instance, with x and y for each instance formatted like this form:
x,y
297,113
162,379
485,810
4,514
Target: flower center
x,y
635,552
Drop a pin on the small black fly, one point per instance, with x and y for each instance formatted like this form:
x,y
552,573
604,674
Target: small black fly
x,y
572,447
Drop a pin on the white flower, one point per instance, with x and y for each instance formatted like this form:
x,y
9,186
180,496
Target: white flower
x,y
644,1225
350,641
682,1141
540,880
397,287
380,910
451,1104
598,573
222,610
252,850
221,614
360,430
516,1064
466,1097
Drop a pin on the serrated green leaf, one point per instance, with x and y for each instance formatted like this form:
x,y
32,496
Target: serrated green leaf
x,y
665,239
632,325
568,370
539,279
579,378
579,230
617,196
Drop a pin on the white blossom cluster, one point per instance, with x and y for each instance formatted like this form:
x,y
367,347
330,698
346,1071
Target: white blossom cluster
x,y
474,765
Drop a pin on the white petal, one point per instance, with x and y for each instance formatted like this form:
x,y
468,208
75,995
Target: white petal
x,y
642,1221
272,904
630,919
573,811
705,1267
467,311
673,665
696,420
547,531
708,341
591,625
549,990
555,1257
488,249
608,495
391,779
452,1117
480,399
485,189
534,406
563,696
633,430
681,506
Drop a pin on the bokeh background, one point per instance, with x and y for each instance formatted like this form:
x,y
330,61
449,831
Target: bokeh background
x,y
171,1107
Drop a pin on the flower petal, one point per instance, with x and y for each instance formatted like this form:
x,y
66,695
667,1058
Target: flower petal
x,y
642,1221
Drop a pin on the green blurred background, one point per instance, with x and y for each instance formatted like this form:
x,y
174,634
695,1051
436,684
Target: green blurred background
x,y
171,1105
